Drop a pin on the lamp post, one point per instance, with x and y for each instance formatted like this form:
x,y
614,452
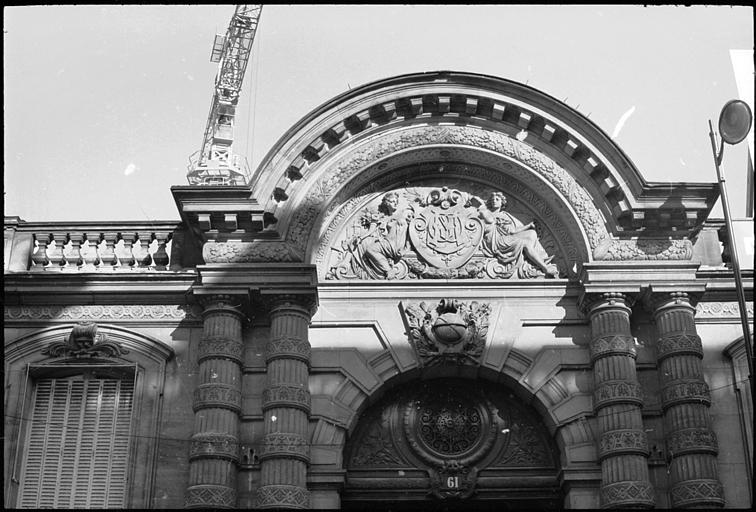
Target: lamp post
x,y
734,124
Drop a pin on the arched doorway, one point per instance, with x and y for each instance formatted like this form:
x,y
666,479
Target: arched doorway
x,y
451,444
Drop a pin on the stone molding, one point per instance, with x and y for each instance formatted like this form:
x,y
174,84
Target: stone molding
x,y
286,396
217,395
623,441
633,493
288,347
685,391
679,344
282,496
612,345
701,493
285,445
208,496
214,446
722,310
102,313
692,440
220,347
615,392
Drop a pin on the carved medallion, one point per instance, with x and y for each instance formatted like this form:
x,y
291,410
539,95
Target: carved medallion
x,y
446,233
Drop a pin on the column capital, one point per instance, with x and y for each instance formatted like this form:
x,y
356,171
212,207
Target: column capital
x,y
303,302
658,301
591,302
213,303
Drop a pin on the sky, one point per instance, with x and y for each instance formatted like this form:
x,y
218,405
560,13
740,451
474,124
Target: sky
x,y
103,105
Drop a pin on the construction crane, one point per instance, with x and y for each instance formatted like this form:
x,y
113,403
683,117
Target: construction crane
x,y
215,163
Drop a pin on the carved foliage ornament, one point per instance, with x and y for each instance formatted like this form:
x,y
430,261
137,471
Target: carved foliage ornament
x,y
446,233
452,332
84,342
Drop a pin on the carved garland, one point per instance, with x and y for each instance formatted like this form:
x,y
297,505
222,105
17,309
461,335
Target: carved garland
x,y
112,312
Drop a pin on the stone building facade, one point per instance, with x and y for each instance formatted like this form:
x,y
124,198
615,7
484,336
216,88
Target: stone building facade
x,y
441,289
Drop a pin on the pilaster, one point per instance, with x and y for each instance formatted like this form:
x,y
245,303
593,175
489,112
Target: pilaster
x,y
691,442
285,454
214,446
622,446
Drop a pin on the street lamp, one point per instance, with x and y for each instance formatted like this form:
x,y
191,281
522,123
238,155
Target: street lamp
x,y
734,124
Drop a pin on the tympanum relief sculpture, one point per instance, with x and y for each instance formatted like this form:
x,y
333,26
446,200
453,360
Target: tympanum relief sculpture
x,y
442,233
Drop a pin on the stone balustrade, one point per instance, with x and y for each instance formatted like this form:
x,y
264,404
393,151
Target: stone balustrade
x,y
90,247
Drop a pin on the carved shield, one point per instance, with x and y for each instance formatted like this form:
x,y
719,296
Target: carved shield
x,y
446,236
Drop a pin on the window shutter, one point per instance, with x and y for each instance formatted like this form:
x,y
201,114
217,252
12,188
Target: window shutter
x,y
78,444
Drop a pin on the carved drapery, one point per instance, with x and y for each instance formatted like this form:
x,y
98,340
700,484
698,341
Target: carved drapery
x,y
214,446
623,446
691,443
286,406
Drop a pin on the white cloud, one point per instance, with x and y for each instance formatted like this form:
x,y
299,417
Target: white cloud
x,y
622,121
130,169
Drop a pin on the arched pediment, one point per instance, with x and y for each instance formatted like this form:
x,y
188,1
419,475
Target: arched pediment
x,y
374,138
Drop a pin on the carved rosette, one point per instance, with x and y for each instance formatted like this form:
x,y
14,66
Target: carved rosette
x,y
288,347
629,494
692,440
282,445
617,392
216,446
685,391
217,395
220,347
282,496
286,396
698,493
210,496
616,442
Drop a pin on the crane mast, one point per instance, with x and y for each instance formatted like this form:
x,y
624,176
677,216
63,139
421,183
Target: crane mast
x,y
215,163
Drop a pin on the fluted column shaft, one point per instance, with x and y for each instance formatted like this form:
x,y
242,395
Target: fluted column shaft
x,y
214,447
623,446
286,406
691,443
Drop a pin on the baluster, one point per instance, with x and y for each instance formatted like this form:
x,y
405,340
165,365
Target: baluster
x,y
126,255
108,257
161,258
89,255
142,252
57,258
40,258
73,254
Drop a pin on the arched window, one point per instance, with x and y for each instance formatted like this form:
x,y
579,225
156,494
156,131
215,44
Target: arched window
x,y
83,405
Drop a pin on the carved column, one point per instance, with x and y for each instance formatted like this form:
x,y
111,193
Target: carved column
x,y
691,443
623,447
286,406
214,447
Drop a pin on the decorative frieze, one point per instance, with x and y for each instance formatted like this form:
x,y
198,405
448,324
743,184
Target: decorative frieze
x,y
616,442
210,496
283,496
628,493
215,446
692,440
679,344
617,392
699,492
687,391
283,445
286,396
123,312
613,345
288,347
722,310
217,395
